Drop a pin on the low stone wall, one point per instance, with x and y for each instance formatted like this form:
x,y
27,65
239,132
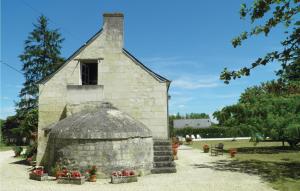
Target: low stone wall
x,y
107,155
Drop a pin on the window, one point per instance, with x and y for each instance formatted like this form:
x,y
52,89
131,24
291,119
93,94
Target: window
x,y
89,73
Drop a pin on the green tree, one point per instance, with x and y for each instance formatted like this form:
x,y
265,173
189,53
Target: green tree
x,y
1,136
41,57
9,124
196,116
265,112
272,13
27,125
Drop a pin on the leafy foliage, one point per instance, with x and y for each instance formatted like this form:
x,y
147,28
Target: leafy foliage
x,y
9,124
41,57
270,110
212,132
281,12
28,125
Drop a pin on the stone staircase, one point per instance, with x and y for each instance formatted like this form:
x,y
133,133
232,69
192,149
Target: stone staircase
x,y
163,157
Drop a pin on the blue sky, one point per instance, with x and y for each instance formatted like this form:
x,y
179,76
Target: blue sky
x,y
186,41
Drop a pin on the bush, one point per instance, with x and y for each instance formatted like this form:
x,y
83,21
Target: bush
x,y
31,150
212,132
17,150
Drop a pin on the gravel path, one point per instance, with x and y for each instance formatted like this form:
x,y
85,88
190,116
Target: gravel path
x,y
14,177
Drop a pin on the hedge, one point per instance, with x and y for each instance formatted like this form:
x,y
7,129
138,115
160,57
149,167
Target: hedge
x,y
211,132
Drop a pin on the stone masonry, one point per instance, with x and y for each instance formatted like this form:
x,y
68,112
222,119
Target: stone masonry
x,y
122,81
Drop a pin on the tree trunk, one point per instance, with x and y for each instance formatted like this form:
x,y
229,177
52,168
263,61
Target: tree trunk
x,y
293,143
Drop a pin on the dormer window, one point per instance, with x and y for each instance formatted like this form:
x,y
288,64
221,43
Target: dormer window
x,y
89,73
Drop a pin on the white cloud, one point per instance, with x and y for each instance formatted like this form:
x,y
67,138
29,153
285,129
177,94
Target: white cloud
x,y
196,82
5,98
220,96
181,106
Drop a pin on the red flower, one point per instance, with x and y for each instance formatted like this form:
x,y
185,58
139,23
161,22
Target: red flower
x,y
131,173
38,172
125,173
75,174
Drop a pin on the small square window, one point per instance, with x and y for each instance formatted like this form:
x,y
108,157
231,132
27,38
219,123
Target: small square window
x,y
89,73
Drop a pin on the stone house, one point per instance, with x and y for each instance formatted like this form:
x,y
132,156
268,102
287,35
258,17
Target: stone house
x,y
193,123
101,70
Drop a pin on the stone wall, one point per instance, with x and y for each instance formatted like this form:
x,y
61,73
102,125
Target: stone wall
x,y
126,84
107,155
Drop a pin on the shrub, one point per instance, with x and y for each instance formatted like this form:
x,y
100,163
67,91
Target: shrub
x,y
212,132
17,150
31,150
93,170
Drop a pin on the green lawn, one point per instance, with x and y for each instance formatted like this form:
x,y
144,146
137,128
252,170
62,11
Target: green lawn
x,y
5,148
280,166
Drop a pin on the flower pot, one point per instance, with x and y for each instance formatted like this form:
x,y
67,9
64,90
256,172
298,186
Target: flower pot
x,y
70,180
175,150
232,152
123,179
42,177
206,150
93,178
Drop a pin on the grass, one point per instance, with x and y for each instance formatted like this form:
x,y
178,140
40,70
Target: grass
x,y
280,166
5,148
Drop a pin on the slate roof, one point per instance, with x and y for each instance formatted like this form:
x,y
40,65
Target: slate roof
x,y
194,123
155,75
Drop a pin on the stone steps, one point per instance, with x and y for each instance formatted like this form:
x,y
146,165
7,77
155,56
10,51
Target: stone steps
x,y
162,143
164,164
163,170
163,157
163,153
162,148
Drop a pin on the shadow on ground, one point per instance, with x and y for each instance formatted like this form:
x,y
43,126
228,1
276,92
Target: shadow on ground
x,y
21,162
267,150
268,170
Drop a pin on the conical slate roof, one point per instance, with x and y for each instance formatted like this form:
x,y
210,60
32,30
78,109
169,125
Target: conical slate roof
x,y
105,122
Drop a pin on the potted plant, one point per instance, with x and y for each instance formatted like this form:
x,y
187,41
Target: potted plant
x,y
175,145
206,148
56,171
66,176
124,176
232,152
38,173
93,172
188,140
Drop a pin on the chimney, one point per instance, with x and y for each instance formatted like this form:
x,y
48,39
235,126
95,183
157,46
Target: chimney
x,y
113,29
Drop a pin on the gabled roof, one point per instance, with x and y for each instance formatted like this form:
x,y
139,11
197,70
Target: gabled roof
x,y
155,75
42,81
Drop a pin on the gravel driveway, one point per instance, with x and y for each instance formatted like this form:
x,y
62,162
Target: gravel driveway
x,y
14,177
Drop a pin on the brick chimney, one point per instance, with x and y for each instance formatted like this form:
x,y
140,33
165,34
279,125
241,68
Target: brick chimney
x,y
113,29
